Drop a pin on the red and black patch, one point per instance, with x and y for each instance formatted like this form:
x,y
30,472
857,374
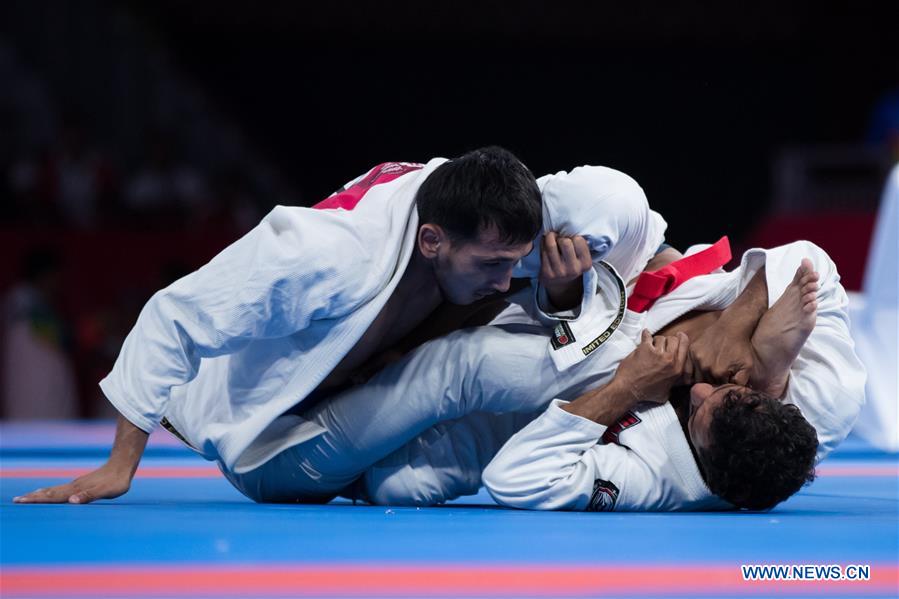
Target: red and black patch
x,y
604,497
612,433
562,335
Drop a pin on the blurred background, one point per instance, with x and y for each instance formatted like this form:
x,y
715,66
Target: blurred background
x,y
137,139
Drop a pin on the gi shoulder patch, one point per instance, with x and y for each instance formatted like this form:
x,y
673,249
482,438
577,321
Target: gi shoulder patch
x,y
612,434
604,497
562,335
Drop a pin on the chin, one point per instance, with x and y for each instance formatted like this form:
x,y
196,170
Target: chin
x,y
460,299
466,301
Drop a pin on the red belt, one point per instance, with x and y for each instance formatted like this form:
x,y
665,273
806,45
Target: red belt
x,y
653,285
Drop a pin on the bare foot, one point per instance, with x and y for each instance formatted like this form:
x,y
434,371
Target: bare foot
x,y
782,331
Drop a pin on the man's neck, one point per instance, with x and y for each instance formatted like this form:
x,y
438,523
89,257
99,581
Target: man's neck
x,y
680,401
419,281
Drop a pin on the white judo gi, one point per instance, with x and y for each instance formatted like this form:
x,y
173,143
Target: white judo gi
x,y
224,352
563,461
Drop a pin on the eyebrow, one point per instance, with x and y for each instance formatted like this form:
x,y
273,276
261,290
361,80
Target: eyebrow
x,y
737,392
503,257
497,258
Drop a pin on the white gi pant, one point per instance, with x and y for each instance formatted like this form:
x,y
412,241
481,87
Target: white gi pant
x,y
501,377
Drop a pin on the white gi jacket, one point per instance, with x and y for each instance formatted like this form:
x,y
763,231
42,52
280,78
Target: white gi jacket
x,y
563,461
226,350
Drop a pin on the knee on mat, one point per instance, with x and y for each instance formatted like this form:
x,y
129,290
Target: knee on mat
x,y
404,487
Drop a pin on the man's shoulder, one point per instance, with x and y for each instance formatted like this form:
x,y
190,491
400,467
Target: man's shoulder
x,y
589,177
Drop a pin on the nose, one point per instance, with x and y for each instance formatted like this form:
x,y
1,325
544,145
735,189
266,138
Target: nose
x,y
699,393
503,284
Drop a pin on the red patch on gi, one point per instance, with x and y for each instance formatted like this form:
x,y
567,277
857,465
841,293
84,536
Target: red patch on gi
x,y
383,173
612,433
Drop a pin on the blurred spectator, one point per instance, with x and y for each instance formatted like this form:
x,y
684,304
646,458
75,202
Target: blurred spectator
x,y
85,179
70,184
38,379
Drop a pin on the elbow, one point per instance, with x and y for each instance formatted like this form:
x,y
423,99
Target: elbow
x,y
500,486
510,489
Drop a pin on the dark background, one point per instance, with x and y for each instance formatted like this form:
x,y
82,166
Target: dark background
x,y
692,99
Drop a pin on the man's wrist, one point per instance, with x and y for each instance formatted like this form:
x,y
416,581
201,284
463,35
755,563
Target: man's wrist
x,y
605,405
128,447
566,297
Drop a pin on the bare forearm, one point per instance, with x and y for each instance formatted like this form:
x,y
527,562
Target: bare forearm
x,y
606,405
746,311
646,374
128,447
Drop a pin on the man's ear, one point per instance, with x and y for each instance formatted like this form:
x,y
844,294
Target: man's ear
x,y
429,239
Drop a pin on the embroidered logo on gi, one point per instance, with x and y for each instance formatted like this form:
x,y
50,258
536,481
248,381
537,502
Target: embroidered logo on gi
x,y
628,420
622,304
388,168
604,497
562,335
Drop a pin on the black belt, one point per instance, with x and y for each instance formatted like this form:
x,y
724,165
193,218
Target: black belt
x,y
168,426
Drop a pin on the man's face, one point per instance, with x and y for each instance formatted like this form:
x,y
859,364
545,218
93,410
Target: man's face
x,y
704,398
470,270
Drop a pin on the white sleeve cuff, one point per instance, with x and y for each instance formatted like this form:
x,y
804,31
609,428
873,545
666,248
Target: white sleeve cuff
x,y
569,422
121,404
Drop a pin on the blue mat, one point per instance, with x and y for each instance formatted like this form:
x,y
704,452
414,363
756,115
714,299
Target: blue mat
x,y
183,531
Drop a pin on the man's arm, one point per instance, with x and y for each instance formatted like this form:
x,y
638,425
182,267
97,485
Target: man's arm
x,y
563,262
107,482
265,285
647,374
661,260
608,211
723,352
557,460
261,286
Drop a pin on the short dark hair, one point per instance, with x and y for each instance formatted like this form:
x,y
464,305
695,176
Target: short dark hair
x,y
761,451
485,188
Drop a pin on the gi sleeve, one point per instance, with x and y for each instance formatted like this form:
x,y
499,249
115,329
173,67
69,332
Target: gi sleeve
x,y
267,284
610,210
558,462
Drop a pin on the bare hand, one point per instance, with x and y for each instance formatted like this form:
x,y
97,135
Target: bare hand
x,y
721,355
104,483
655,366
563,261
